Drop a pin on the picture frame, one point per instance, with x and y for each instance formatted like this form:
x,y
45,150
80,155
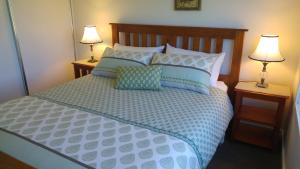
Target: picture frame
x,y
186,5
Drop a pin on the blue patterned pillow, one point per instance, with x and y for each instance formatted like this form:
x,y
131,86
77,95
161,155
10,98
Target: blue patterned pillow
x,y
186,72
112,59
138,78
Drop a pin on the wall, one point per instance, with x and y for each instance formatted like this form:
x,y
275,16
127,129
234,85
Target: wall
x,y
268,16
45,34
10,76
292,141
292,146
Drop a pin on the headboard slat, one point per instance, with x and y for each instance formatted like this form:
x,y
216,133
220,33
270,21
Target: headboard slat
x,y
162,34
163,39
207,44
172,40
136,39
127,38
153,40
185,42
196,43
144,39
219,45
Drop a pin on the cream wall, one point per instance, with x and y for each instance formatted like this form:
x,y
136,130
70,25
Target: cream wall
x,y
44,29
292,143
10,76
292,140
268,16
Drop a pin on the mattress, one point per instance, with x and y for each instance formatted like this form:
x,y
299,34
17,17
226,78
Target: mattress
x,y
86,123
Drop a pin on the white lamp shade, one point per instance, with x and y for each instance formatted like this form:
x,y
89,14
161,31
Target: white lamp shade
x,y
90,35
267,49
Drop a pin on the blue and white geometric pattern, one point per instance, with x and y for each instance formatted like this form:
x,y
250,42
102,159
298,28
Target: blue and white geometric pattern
x,y
138,78
199,120
93,140
141,57
185,71
202,62
112,59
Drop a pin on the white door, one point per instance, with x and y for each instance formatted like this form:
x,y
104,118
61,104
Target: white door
x,y
44,30
11,85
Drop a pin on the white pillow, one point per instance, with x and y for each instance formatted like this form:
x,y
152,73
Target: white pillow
x,y
216,67
120,47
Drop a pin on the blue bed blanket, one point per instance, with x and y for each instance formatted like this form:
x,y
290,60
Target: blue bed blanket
x,y
199,120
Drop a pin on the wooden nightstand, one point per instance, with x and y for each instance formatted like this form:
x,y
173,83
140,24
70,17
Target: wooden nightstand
x,y
254,125
83,67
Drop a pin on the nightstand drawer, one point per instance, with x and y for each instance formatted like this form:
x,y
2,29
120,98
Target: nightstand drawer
x,y
256,135
257,115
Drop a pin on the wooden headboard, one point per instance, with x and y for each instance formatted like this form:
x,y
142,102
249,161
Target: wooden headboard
x,y
191,38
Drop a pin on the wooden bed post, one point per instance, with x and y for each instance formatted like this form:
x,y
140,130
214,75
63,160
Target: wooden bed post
x,y
115,34
236,62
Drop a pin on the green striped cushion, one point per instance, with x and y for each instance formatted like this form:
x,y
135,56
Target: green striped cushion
x,y
138,78
186,72
112,59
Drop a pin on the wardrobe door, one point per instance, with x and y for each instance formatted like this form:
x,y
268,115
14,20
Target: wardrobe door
x,y
44,30
11,85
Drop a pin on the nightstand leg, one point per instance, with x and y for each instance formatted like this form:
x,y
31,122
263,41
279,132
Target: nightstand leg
x,y
76,71
236,120
279,114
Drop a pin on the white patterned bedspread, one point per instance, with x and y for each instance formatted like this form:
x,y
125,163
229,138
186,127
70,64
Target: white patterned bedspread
x,y
97,141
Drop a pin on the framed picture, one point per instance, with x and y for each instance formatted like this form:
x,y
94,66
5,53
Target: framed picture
x,y
187,4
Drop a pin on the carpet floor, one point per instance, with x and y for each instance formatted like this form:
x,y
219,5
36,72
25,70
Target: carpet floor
x,y
236,155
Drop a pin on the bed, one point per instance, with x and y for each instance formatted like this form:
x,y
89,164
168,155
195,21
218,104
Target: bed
x,y
86,123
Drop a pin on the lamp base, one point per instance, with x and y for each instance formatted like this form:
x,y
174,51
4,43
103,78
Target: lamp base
x,y
92,61
261,85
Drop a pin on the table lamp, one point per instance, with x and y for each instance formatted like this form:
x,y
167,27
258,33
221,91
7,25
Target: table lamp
x,y
91,37
266,52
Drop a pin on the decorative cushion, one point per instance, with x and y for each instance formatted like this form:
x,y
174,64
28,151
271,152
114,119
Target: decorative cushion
x,y
138,78
120,47
112,59
186,72
216,67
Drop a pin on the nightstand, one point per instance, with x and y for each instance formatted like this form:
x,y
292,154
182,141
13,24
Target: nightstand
x,y
83,67
256,125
